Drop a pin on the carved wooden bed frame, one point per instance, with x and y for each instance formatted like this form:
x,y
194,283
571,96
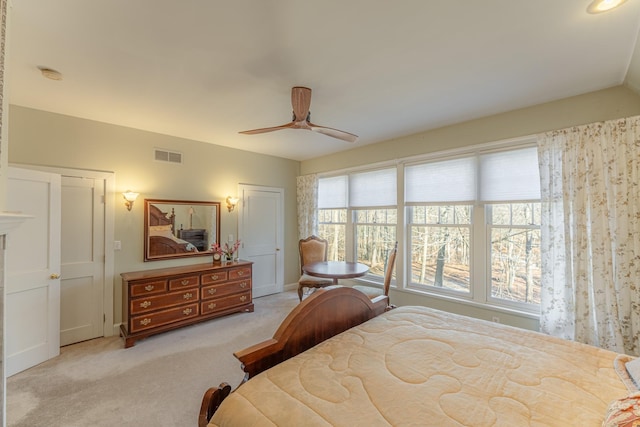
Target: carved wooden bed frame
x,y
327,312
159,245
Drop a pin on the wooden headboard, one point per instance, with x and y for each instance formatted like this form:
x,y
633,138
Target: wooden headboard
x,y
157,217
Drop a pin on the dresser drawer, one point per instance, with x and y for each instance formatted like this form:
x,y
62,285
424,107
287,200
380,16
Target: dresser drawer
x,y
215,291
240,273
226,302
164,317
141,305
214,277
148,288
183,282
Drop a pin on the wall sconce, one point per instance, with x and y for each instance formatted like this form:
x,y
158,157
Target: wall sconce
x,y
231,203
129,197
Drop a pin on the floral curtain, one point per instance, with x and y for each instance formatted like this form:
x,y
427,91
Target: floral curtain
x,y
590,185
307,196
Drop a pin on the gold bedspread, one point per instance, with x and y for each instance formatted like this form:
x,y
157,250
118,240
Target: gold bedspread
x,y
418,366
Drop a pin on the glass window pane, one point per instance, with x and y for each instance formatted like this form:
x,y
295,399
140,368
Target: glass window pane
x,y
462,214
375,234
440,257
515,264
332,227
500,214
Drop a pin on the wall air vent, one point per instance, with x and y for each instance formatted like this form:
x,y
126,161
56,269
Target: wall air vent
x,y
167,156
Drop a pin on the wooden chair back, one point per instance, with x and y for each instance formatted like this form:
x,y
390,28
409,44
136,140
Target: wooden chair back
x,y
312,249
389,270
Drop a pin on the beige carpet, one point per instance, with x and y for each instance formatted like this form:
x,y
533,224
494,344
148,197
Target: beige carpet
x,y
158,382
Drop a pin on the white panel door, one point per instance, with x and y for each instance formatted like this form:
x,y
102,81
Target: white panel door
x,y
32,291
261,229
82,263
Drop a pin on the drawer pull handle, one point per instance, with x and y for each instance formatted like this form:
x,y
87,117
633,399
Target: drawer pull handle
x,y
212,291
212,306
149,288
214,277
187,311
243,285
240,273
243,298
185,282
188,295
145,321
145,304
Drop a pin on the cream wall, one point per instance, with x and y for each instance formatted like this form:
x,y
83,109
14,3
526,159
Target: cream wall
x,y
208,172
41,138
606,104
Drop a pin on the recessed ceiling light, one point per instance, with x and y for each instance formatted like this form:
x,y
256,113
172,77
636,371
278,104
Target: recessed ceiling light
x,y
50,73
599,6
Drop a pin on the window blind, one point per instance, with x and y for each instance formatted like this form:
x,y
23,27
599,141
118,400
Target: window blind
x,y
451,180
510,175
332,192
373,188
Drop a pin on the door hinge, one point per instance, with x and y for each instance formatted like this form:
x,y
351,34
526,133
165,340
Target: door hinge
x,y
104,318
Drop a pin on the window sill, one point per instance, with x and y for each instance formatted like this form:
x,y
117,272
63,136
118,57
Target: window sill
x,y
471,303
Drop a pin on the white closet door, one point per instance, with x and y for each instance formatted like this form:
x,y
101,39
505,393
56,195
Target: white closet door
x,y
82,264
32,291
261,228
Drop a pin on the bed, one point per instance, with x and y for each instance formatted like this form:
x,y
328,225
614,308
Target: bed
x,y
162,239
418,366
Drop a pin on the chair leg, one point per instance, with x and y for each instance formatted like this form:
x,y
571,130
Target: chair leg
x,y
300,293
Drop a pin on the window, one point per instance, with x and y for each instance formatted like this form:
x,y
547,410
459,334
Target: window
x,y
332,226
470,224
441,246
514,231
375,235
473,223
358,217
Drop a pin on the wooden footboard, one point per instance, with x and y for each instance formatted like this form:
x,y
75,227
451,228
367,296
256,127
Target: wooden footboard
x,y
210,402
327,312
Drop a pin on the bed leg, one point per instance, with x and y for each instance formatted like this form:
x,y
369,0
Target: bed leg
x,y
211,401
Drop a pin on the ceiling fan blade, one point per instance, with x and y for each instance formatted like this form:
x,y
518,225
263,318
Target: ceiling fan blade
x,y
335,133
265,130
300,100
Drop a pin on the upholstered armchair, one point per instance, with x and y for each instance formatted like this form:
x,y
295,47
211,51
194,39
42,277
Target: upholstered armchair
x,y
312,249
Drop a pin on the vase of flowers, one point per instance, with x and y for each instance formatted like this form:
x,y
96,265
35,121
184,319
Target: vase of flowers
x,y
227,251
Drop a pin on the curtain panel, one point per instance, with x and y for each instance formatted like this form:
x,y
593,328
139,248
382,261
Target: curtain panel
x,y
307,197
590,190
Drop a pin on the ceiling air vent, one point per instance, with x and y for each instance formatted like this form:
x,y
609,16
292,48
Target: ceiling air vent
x,y
168,156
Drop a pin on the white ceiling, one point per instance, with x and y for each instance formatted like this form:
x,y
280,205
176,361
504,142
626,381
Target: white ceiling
x,y
206,69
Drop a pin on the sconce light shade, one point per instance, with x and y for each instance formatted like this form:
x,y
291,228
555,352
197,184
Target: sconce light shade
x,y
231,203
129,197
599,6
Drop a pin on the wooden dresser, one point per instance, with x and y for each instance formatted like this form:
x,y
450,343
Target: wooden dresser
x,y
155,301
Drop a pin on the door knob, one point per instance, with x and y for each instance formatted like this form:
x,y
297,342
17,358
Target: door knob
x,y
54,276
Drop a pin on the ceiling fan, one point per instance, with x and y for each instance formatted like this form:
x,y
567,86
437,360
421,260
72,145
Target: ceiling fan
x,y
300,100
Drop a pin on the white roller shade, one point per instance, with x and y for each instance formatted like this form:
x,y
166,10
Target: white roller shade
x,y
374,188
442,181
332,192
510,175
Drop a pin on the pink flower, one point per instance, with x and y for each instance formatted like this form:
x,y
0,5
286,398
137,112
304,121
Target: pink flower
x,y
226,250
